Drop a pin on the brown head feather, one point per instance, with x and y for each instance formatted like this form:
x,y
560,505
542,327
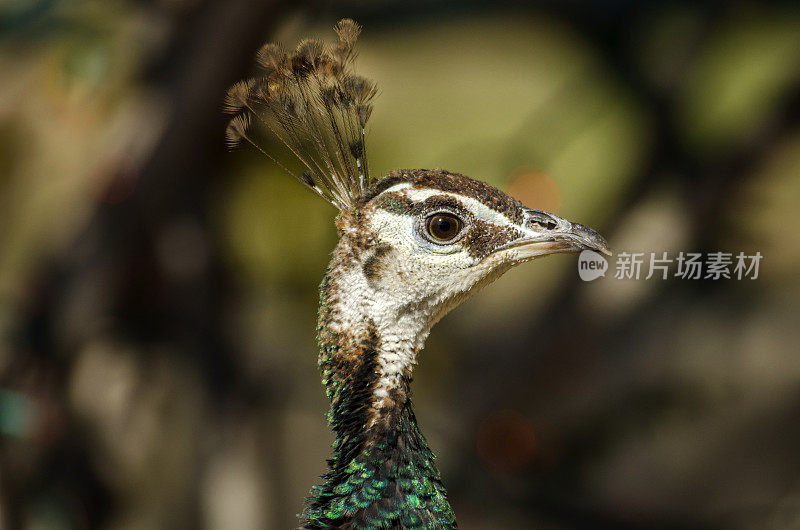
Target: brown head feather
x,y
272,58
237,130
237,96
348,31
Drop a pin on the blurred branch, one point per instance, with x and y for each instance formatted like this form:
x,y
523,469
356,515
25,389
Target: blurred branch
x,y
118,264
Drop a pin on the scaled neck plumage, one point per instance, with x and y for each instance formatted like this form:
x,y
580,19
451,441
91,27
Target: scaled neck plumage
x,y
382,472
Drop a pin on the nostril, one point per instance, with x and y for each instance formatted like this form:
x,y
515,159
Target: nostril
x,y
537,219
547,225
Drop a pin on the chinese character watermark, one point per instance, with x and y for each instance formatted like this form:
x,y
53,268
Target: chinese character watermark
x,y
685,266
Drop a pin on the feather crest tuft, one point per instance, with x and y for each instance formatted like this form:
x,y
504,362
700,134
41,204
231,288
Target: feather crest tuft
x,y
313,103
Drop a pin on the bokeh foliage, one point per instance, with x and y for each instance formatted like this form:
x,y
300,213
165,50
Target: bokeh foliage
x,y
158,294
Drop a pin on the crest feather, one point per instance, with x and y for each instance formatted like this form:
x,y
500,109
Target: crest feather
x,y
312,102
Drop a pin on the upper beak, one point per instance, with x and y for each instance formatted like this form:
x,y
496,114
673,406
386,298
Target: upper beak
x,y
545,233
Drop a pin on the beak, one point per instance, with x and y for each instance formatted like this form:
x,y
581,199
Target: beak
x,y
544,233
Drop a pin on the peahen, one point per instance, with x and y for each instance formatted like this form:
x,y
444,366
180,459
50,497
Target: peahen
x,y
412,245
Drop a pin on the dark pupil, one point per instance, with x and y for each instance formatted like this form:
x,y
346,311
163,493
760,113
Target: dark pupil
x,y
443,226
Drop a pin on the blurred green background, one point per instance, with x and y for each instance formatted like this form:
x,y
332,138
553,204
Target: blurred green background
x,y
158,294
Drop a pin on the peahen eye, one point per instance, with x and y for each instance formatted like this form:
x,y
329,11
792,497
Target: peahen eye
x,y
443,227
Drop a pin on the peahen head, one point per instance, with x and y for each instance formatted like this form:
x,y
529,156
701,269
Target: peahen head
x,y
413,245
431,237
421,241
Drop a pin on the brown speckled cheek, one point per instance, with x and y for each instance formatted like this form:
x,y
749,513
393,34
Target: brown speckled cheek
x,y
355,237
484,238
374,263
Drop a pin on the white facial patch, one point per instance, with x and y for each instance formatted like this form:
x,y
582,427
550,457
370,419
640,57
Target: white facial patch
x,y
418,286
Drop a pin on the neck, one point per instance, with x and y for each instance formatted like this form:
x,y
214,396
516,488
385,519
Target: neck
x,y
382,472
